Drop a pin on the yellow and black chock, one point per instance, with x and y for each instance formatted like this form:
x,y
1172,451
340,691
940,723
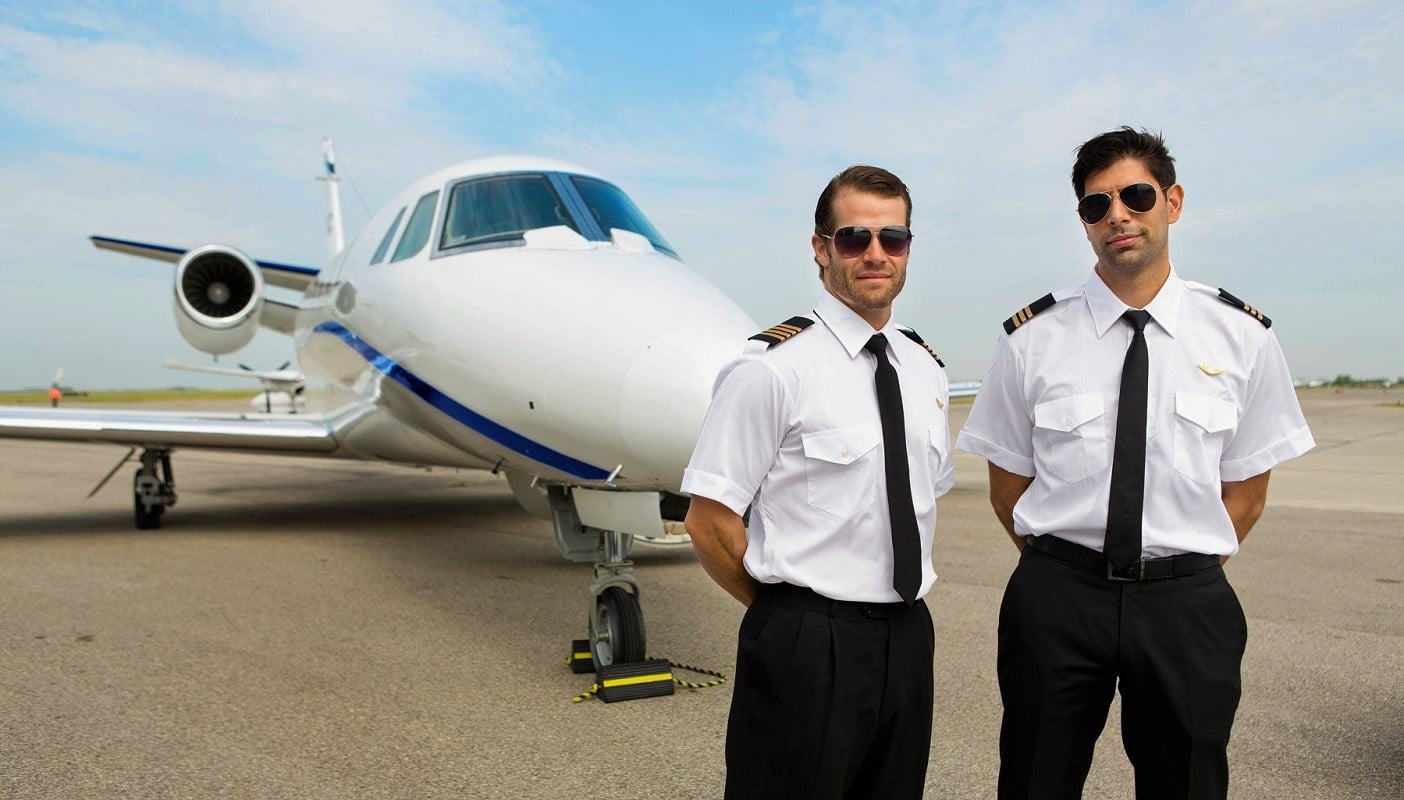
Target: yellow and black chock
x,y
652,677
580,660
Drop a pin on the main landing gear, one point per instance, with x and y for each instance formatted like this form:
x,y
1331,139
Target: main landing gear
x,y
153,489
615,619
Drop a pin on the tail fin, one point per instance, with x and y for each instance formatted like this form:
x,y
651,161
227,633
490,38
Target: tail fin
x,y
335,240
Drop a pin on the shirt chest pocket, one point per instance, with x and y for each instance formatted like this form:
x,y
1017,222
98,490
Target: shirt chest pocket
x,y
1070,436
1203,425
839,467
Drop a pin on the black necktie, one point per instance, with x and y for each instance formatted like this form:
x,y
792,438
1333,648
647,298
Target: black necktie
x,y
1128,475
906,544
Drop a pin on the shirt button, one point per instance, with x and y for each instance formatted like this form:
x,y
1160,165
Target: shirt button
x,y
1067,422
844,454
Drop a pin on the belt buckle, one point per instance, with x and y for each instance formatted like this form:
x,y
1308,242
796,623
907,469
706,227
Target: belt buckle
x,y
1134,572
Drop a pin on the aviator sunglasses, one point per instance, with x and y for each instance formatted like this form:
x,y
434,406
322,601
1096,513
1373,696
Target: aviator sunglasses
x,y
853,240
1138,197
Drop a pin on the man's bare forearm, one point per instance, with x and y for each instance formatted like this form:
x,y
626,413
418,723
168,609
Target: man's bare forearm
x,y
1005,490
719,538
1244,501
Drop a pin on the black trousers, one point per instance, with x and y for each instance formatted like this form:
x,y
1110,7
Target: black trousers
x,y
1068,635
831,699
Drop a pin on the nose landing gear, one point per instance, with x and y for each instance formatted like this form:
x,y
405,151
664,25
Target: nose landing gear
x,y
614,619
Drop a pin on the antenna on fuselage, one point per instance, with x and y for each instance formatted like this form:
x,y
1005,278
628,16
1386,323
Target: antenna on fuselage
x,y
335,240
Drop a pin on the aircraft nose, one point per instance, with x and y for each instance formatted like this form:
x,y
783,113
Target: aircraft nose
x,y
665,396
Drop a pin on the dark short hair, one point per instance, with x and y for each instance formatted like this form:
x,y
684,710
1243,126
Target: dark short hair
x,y
1104,150
862,178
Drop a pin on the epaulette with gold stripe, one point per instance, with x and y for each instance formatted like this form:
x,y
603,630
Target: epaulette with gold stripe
x,y
911,334
1027,312
776,334
1252,312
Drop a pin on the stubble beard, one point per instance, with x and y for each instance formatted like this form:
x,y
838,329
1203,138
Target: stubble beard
x,y
845,286
1130,262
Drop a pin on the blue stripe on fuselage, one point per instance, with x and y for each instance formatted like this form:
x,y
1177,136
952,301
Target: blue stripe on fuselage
x,y
461,413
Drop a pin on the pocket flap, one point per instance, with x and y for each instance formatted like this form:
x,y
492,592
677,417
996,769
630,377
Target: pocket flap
x,y
842,445
1210,413
1067,413
940,440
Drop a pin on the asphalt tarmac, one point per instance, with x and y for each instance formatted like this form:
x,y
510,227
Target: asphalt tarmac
x,y
318,629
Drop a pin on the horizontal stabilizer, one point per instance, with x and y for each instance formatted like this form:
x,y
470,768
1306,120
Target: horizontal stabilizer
x,y
288,276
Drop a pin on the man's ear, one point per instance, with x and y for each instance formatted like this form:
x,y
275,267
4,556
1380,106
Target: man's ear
x,y
821,252
1175,197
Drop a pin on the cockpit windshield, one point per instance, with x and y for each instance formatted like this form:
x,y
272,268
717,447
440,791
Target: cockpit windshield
x,y
613,209
501,209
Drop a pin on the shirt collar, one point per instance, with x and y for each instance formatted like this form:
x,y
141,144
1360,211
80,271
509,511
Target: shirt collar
x,y
1107,308
852,330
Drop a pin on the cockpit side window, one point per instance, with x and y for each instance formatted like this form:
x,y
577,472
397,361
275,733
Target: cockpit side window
x,y
613,209
417,229
501,209
389,236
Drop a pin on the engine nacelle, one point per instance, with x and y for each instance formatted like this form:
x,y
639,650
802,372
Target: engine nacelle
x,y
218,298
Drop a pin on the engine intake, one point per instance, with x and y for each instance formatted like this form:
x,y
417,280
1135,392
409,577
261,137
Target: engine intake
x,y
218,297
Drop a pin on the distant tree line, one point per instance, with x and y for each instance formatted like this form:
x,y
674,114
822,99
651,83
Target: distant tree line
x,y
1347,380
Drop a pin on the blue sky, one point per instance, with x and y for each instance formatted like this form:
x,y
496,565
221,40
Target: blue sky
x,y
186,123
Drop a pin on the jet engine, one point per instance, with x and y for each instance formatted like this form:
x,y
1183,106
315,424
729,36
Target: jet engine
x,y
218,297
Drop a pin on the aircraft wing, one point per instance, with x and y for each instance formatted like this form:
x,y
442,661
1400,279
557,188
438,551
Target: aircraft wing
x,y
288,276
257,433
964,389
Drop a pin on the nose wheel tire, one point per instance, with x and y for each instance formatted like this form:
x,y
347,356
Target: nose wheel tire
x,y
617,628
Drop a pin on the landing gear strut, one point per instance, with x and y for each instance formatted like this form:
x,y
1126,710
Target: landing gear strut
x,y
153,491
615,618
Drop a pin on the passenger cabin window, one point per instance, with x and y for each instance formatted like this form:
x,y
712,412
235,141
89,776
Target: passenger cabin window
x,y
613,209
501,209
389,236
417,229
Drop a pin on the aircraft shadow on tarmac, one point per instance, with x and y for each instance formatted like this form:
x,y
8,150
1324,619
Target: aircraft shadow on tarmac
x,y
465,554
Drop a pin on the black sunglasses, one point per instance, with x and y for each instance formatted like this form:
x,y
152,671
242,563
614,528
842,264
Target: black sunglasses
x,y
1138,197
853,240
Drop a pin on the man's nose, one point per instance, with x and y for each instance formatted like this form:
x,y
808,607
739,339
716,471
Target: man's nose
x,y
1118,213
875,254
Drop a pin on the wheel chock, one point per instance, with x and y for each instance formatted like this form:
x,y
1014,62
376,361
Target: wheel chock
x,y
652,678
580,659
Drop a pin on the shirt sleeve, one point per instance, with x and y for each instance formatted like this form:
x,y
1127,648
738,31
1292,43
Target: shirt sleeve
x,y
1271,428
740,436
1000,426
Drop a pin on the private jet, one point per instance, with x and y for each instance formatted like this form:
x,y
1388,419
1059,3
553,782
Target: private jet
x,y
513,314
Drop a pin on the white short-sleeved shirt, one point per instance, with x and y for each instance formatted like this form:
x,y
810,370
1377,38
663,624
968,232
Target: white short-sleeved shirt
x,y
793,431
1221,408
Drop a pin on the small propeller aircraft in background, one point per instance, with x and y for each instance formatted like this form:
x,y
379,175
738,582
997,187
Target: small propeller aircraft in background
x,y
282,387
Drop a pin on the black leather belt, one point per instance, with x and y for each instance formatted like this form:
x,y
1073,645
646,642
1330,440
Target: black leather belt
x,y
787,594
1145,569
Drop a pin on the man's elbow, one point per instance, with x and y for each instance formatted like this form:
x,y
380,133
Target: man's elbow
x,y
701,527
1003,506
1251,511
